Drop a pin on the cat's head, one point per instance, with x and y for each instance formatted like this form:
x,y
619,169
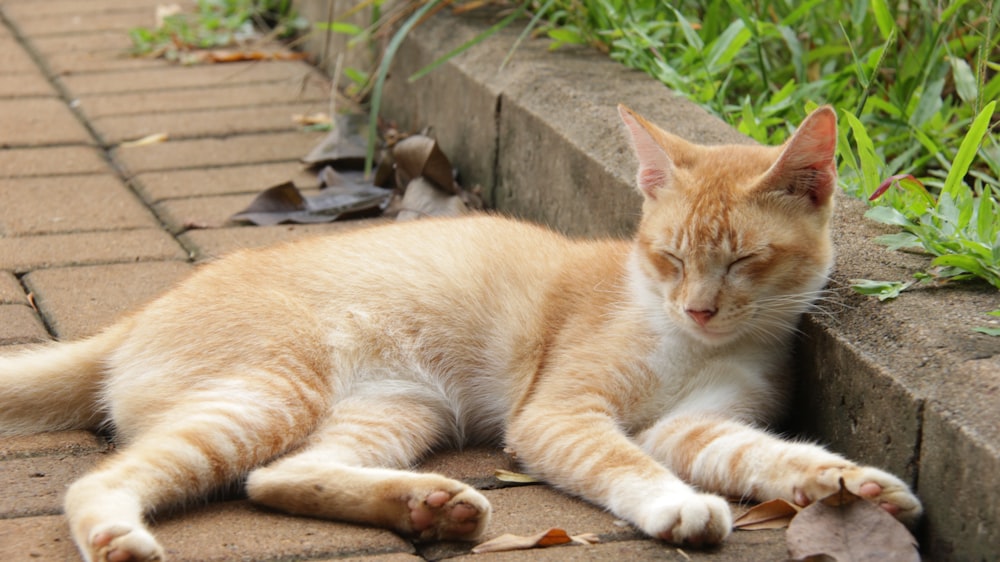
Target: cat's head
x,y
734,239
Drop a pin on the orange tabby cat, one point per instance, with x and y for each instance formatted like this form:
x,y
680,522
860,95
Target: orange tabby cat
x,y
324,368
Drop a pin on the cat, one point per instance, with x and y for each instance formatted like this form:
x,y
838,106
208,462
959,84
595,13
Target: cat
x,y
636,374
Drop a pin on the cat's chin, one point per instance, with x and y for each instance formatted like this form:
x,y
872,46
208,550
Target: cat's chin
x,y
711,335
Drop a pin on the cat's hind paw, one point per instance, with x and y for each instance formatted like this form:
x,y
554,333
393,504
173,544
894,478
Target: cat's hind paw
x,y
449,515
690,519
881,488
124,543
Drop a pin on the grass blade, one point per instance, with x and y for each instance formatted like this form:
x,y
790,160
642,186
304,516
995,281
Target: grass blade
x,y
383,72
469,44
967,151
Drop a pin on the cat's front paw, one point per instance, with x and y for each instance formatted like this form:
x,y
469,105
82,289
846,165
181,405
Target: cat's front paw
x,y
878,486
689,519
123,543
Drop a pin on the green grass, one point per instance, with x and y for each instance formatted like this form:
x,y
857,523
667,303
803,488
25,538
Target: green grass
x,y
216,23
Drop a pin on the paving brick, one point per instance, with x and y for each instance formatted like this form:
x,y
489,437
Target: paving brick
x,y
70,63
36,538
475,466
104,43
81,22
240,531
51,161
312,89
250,178
20,324
30,83
54,443
177,77
79,301
11,291
35,486
201,212
243,149
214,242
399,557
740,547
87,248
13,58
207,123
69,203
30,9
39,121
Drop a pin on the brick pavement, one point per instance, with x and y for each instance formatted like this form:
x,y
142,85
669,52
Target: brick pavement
x,y
90,229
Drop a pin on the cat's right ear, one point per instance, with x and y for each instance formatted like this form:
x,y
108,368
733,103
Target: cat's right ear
x,y
656,169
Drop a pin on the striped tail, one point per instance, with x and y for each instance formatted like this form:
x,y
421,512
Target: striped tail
x,y
55,386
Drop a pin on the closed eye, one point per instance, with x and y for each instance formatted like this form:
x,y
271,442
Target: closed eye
x,y
674,260
740,261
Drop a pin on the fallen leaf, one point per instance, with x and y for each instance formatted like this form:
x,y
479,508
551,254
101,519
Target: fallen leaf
x,y
319,118
423,199
285,203
146,140
419,156
345,146
224,56
551,537
845,528
509,476
774,514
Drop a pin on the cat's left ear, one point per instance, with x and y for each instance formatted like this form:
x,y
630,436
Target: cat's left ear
x,y
656,169
807,166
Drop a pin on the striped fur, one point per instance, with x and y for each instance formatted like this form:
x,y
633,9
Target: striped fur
x,y
635,374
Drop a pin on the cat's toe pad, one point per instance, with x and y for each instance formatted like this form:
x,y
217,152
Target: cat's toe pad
x,y
449,515
885,490
124,543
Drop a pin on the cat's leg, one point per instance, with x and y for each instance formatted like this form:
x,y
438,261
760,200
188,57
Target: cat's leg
x,y
576,445
351,470
733,458
196,449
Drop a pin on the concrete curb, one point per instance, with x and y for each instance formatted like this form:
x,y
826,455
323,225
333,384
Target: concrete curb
x,y
903,385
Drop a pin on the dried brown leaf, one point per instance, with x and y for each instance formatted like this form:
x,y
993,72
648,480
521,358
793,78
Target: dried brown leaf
x,y
420,156
423,199
551,537
774,514
223,56
285,203
843,529
345,145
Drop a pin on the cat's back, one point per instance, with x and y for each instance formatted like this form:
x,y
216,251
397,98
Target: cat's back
x,y
481,264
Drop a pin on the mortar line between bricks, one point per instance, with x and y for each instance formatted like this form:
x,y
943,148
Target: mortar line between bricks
x,y
29,294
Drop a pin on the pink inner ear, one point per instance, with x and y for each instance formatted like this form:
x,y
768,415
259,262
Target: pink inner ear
x,y
651,180
655,167
808,161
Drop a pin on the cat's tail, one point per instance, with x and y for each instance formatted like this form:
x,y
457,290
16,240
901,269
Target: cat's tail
x,y
55,386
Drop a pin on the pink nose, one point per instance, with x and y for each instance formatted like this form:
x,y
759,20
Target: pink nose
x,y
701,316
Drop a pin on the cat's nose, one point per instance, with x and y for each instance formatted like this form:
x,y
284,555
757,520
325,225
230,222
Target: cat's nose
x,y
701,316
